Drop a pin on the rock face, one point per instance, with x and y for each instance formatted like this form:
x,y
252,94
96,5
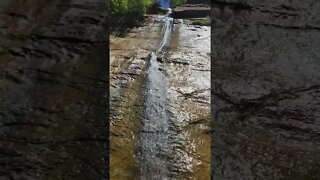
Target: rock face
x,y
198,1
191,11
160,102
53,87
265,85
155,9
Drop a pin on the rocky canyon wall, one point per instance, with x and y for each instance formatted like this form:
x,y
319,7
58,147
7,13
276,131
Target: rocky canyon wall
x,y
53,89
265,85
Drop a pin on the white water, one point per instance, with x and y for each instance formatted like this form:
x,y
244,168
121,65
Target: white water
x,y
166,30
155,131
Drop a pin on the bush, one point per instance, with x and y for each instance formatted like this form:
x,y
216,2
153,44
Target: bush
x,y
126,14
129,6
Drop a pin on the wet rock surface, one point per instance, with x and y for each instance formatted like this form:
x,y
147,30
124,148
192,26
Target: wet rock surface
x,y
187,68
265,86
159,126
53,89
129,56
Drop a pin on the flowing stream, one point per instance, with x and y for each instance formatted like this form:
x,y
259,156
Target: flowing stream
x,y
160,116
155,131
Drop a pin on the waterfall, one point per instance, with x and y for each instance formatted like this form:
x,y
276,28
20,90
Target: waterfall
x,y
155,130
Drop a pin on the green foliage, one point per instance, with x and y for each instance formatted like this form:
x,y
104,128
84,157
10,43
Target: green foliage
x,y
136,6
129,6
118,6
177,2
202,22
126,14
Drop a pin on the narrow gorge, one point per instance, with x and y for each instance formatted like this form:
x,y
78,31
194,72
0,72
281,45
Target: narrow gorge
x,y
160,98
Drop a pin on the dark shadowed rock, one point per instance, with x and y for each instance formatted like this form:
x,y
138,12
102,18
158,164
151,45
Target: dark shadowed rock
x,y
265,73
53,89
198,1
191,11
156,8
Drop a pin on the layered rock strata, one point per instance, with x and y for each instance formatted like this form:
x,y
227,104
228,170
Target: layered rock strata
x,y
265,87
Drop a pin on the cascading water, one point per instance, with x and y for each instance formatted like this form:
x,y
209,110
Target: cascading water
x,y
167,26
155,131
160,120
